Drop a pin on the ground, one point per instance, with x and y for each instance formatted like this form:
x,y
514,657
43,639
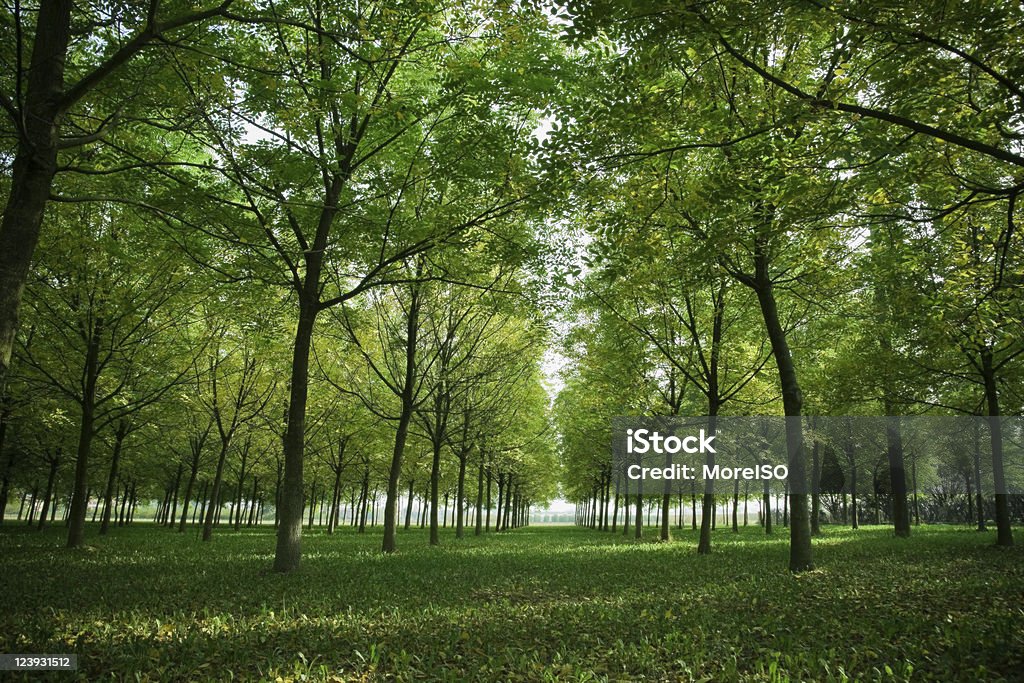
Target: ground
x,y
541,603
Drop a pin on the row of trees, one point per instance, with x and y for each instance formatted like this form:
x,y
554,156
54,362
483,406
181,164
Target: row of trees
x,y
281,245
186,397
299,207
796,208
949,474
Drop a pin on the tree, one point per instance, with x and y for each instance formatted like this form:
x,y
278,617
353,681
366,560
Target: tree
x,y
239,392
338,194
96,309
48,102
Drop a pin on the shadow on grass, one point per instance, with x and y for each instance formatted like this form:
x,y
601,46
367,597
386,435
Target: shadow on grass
x,y
551,602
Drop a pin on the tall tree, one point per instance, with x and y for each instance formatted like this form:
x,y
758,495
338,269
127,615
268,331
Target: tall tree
x,y
330,194
96,309
50,105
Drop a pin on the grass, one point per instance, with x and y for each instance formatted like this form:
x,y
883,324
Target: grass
x,y
543,603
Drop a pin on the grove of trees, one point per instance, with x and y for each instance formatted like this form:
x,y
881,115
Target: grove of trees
x,y
314,263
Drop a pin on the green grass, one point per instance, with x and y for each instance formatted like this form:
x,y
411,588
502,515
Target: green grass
x,y
549,603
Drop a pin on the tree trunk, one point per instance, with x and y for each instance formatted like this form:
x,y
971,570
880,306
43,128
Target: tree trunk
x,y
364,499
133,503
970,497
707,516
460,488
121,511
76,527
277,489
289,530
800,555
35,164
666,506
32,504
444,518
815,479
253,502
332,522
312,505
193,471
391,501
897,477
746,500
502,492
913,478
408,407
638,521
435,481
174,498
487,521
5,480
693,507
214,506
50,481
509,490
479,497
854,521
115,459
512,502
736,506
202,501
615,505
1004,533
979,505
785,506
238,491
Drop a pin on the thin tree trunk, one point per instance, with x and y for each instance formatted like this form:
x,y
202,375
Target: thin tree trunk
x,y
115,460
479,497
501,500
50,481
615,505
214,506
253,502
487,521
509,490
735,506
800,554
639,516
707,518
435,482
238,491
174,498
746,499
364,499
1004,533
193,472
86,432
5,480
408,504
121,511
32,504
408,407
332,522
815,478
460,493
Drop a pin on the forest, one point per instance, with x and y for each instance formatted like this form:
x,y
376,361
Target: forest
x,y
321,324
